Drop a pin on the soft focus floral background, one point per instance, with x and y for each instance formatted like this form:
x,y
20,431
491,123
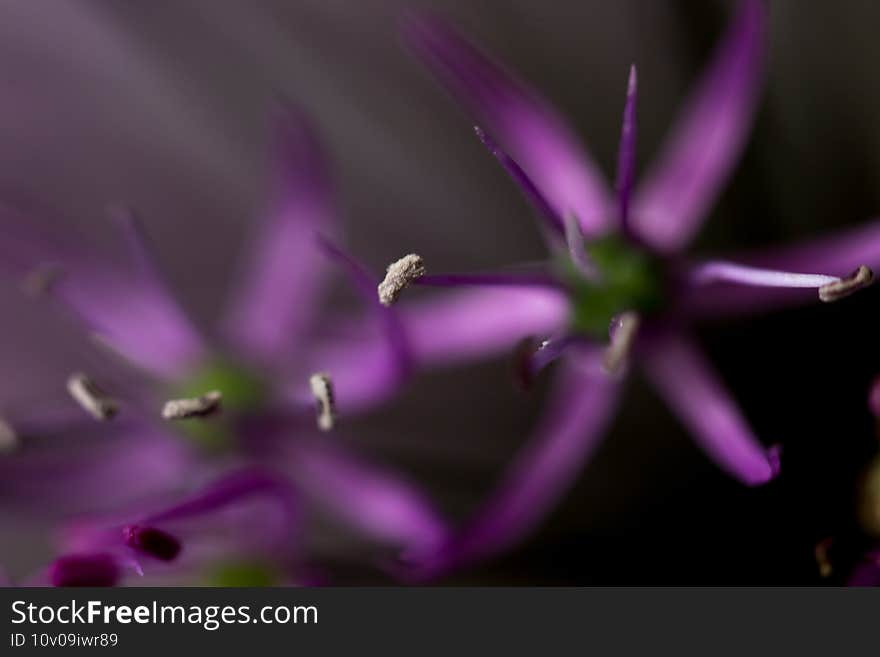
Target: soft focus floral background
x,y
164,105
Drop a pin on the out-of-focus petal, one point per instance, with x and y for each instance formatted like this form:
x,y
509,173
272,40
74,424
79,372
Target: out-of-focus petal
x,y
583,402
707,139
130,311
626,155
448,329
477,324
534,135
275,298
382,506
836,254
686,381
92,467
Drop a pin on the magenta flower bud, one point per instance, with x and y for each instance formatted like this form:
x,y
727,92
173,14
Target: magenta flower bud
x,y
154,542
84,570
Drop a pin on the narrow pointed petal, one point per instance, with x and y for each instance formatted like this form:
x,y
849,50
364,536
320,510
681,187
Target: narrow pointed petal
x,y
583,402
276,294
533,134
530,190
626,157
130,311
383,507
502,280
836,254
707,139
690,387
874,398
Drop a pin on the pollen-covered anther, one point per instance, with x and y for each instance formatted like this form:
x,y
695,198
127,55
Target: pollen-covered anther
x,y
325,403
190,407
8,437
95,401
839,289
623,337
398,277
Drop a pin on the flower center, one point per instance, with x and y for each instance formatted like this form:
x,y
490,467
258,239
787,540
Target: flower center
x,y
244,392
630,279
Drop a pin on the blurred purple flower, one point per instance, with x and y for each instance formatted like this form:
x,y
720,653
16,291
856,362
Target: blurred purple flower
x,y
246,395
618,263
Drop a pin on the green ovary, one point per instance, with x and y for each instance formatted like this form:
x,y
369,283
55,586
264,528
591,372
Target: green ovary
x,y
243,392
630,279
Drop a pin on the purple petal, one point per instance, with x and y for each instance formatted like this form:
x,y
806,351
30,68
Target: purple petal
x,y
479,324
529,130
521,178
447,329
385,508
72,468
838,255
539,280
707,140
581,406
132,312
626,157
276,296
687,383
874,397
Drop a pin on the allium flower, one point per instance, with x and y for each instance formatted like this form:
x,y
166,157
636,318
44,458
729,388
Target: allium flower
x,y
172,407
619,288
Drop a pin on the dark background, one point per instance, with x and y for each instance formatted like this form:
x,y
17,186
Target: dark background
x,y
163,105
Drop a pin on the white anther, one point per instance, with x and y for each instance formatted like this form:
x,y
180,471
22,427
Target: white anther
x,y
398,277
91,398
8,437
839,289
322,390
201,406
622,339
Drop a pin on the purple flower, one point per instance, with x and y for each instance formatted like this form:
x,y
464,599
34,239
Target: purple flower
x,y
617,262
172,405
246,522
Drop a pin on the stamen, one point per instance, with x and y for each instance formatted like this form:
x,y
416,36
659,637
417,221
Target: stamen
x,y
322,389
152,541
84,570
8,437
843,287
398,277
202,406
831,288
623,335
91,398
41,280
574,239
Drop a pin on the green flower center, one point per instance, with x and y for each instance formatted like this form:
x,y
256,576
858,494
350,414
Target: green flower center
x,y
244,392
630,279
